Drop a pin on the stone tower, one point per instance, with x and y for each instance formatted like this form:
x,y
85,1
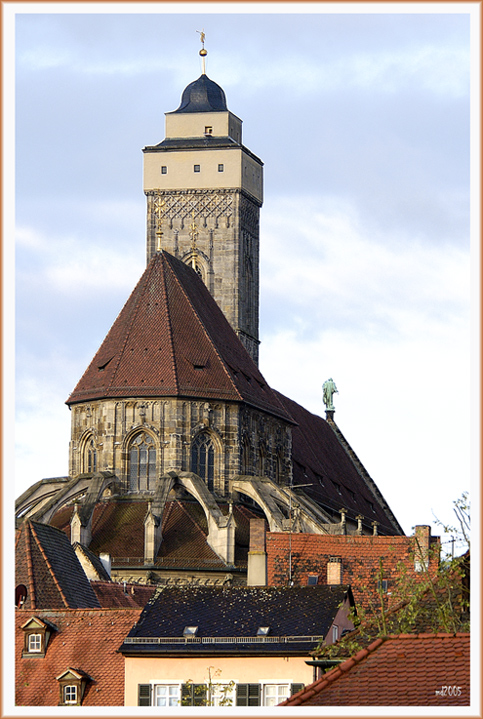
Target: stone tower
x,y
204,191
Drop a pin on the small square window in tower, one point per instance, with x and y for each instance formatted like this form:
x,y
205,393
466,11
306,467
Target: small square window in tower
x,y
197,168
208,130
221,167
164,169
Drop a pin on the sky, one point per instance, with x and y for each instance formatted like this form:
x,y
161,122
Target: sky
x,y
362,120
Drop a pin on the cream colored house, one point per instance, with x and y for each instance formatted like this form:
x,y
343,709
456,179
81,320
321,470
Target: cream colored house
x,y
235,646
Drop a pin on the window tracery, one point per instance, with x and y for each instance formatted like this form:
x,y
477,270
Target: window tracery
x,y
142,463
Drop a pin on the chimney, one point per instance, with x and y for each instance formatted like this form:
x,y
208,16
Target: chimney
x,y
334,570
422,537
106,562
257,555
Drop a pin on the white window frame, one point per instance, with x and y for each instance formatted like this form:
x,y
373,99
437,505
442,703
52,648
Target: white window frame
x,y
278,685
172,685
71,689
34,643
219,694
335,633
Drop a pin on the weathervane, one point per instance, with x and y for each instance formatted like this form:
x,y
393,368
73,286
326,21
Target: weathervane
x,y
159,220
203,52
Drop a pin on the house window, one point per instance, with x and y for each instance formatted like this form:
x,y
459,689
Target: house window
x,y
194,695
164,169
197,168
70,694
273,694
221,168
208,130
34,643
166,695
248,695
142,463
203,458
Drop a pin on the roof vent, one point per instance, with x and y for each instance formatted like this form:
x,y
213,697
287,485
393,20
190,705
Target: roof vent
x,y
262,631
190,632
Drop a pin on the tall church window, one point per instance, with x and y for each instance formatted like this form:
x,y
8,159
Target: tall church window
x,y
203,458
90,457
142,463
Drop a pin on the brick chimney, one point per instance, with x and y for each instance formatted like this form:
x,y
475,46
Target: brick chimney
x,y
334,570
422,536
257,555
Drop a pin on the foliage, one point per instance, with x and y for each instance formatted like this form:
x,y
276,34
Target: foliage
x,y
213,693
425,603
460,532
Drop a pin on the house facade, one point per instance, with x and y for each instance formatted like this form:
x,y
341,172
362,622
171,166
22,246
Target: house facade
x,y
242,646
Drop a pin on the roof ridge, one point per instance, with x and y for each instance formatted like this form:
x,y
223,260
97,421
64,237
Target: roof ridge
x,y
191,518
30,573
56,581
170,325
206,333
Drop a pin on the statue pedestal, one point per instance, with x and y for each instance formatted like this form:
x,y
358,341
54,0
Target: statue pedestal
x,y
329,415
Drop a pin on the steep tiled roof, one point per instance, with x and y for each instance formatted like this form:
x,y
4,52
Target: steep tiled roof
x,y
47,566
184,531
85,640
364,559
172,340
111,594
319,458
289,612
398,670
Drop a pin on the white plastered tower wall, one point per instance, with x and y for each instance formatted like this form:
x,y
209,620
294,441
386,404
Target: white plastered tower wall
x,y
204,191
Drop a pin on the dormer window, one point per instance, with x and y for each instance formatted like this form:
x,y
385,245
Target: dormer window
x,y
72,684
36,637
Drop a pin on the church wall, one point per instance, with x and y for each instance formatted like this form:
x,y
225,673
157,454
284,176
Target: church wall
x,y
245,441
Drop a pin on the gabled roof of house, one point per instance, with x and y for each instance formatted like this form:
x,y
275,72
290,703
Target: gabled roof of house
x,y
319,458
85,639
397,670
46,564
184,532
172,340
228,620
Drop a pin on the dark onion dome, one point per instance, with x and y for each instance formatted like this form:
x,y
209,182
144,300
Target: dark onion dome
x,y
203,95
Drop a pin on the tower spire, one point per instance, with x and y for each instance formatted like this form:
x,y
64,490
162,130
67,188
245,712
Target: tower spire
x,y
203,52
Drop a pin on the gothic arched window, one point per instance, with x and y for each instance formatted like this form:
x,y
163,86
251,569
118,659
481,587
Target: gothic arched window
x,y
142,463
203,458
90,457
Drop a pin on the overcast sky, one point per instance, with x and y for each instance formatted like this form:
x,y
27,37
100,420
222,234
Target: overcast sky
x,y
363,123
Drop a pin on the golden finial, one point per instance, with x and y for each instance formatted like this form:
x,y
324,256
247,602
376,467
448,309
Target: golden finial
x,y
203,52
194,236
159,220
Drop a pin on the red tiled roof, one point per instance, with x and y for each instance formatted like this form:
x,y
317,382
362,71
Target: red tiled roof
x,y
172,340
111,594
47,566
86,640
321,460
363,559
184,532
398,670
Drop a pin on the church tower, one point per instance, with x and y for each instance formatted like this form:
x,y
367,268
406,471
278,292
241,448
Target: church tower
x,y
204,191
